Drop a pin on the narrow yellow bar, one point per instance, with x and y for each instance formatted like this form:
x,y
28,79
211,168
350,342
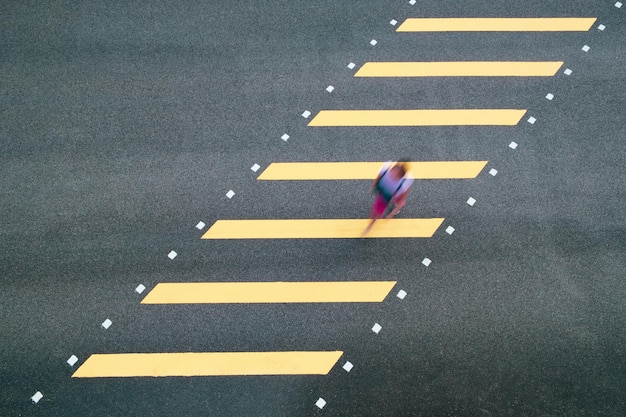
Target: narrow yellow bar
x,y
507,24
322,229
424,170
269,292
459,69
123,365
469,117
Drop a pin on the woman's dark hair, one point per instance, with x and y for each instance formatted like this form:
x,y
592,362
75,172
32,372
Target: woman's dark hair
x,y
403,165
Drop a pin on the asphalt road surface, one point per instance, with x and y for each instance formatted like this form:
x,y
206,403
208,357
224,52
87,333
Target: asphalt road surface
x,y
125,123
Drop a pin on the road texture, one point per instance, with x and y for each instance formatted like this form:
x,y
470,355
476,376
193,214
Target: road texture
x,y
124,124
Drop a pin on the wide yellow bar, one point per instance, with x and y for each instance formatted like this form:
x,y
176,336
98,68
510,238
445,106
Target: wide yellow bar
x,y
482,117
459,69
121,365
269,292
321,229
424,170
507,24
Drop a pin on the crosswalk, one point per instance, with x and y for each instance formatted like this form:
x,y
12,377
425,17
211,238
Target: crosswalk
x,y
320,363
418,117
507,24
324,171
460,69
268,292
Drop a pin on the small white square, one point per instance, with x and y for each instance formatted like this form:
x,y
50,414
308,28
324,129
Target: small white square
x,y
200,225
586,48
549,96
230,194
347,366
306,114
107,323
450,230
72,360
172,255
618,5
401,294
320,403
393,22
471,201
601,27
255,167
285,137
373,42
351,65
513,145
532,120
330,88
38,396
567,71
426,262
377,327
493,172
140,288
412,2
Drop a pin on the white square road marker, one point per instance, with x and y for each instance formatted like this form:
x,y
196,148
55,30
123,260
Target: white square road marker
x,y
401,294
426,262
601,27
285,137
549,96
532,120
347,366
586,48
450,230
493,172
107,323
412,2
38,396
471,201
172,255
393,22
140,288
513,145
618,5
320,403
72,360
306,114
376,328
351,65
255,167
330,88
373,42
200,225
230,194
567,71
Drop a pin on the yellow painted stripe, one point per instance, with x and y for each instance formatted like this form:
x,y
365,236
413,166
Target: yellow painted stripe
x,y
459,69
424,170
207,364
524,24
321,229
269,292
484,117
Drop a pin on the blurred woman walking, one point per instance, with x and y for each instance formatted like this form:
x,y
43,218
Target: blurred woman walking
x,y
391,188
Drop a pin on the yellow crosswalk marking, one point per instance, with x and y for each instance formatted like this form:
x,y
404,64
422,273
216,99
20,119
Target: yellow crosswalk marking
x,y
119,365
524,24
459,69
322,229
269,292
368,170
485,117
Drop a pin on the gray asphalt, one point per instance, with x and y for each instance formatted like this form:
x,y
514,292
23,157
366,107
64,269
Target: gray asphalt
x,y
125,123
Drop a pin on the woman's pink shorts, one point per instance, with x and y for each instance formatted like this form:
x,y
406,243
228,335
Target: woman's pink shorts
x,y
379,207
